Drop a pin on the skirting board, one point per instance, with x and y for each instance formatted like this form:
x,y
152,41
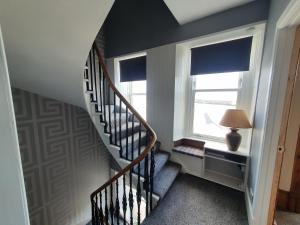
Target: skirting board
x,y
249,207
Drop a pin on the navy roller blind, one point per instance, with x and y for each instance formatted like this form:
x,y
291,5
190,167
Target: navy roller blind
x,y
229,56
133,69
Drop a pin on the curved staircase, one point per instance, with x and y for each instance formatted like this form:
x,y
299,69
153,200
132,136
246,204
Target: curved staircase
x,y
146,173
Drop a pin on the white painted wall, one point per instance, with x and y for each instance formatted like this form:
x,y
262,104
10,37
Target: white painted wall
x,y
13,203
47,43
180,93
160,92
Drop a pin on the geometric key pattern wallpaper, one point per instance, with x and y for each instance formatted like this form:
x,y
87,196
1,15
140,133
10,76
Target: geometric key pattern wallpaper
x,y
63,159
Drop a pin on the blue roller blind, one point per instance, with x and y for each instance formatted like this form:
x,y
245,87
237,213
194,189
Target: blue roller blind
x,y
133,69
229,56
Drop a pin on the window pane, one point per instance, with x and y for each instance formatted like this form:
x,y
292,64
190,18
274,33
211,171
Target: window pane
x,y
207,118
220,98
139,87
139,104
218,81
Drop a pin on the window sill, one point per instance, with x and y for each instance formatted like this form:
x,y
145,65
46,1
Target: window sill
x,y
221,146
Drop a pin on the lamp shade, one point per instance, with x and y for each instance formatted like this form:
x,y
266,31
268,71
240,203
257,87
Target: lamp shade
x,y
235,118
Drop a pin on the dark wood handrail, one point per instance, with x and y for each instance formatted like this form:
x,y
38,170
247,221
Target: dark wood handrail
x,y
153,137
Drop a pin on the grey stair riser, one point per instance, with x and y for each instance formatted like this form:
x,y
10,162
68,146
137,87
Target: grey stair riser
x,y
165,178
160,159
125,131
112,119
136,143
135,153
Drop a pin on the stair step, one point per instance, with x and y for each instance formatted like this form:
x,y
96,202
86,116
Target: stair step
x,y
165,178
135,142
136,151
136,127
123,119
160,159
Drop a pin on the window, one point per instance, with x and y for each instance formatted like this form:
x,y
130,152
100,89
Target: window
x,y
131,80
137,94
220,79
212,94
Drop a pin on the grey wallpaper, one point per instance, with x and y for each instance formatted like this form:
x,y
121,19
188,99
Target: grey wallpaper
x,y
63,159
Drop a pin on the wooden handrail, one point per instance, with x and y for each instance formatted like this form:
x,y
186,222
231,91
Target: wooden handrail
x,y
153,137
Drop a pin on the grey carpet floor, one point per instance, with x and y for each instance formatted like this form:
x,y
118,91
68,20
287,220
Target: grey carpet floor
x,y
287,218
194,201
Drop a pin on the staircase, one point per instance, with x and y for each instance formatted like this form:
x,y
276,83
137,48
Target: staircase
x,y
146,174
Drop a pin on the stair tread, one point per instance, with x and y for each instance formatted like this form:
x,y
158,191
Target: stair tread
x,y
112,118
165,178
135,152
135,143
160,159
123,129
135,137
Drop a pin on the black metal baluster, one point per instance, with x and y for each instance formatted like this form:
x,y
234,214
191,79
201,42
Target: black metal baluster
x,y
138,189
109,115
126,132
104,104
124,200
97,211
115,120
88,82
152,168
120,129
111,207
132,137
130,198
106,207
100,209
96,84
146,183
93,212
117,212
100,88
91,77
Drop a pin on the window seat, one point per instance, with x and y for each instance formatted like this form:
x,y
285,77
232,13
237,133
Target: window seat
x,y
189,147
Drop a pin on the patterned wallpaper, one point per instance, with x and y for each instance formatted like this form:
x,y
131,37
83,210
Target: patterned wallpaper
x,y
63,159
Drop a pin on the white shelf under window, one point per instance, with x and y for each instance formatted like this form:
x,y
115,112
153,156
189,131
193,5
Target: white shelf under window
x,y
223,179
225,167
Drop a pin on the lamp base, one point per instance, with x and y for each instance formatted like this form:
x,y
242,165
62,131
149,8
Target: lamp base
x,y
233,139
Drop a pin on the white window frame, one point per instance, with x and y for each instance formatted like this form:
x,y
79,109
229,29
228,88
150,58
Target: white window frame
x,y
126,90
249,85
192,104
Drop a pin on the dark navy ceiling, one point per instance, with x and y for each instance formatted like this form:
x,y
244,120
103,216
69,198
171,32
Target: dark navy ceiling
x,y
136,25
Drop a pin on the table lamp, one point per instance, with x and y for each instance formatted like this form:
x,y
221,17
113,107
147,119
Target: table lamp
x,y
234,119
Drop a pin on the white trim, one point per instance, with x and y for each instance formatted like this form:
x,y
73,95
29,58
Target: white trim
x,y
291,15
284,37
249,206
13,207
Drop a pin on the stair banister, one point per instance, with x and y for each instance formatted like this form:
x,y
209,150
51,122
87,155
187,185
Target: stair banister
x,y
98,216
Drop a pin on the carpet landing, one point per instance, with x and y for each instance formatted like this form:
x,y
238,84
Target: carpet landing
x,y
194,201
